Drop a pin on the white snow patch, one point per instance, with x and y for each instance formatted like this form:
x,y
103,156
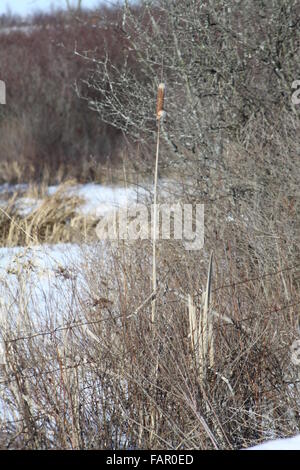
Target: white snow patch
x,y
292,443
98,199
41,282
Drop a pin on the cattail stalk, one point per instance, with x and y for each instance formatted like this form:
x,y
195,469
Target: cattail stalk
x,y
159,115
160,101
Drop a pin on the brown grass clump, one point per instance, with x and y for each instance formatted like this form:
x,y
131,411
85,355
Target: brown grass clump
x,y
205,361
56,220
89,381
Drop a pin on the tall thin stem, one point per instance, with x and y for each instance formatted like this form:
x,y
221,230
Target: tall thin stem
x,y
154,281
159,115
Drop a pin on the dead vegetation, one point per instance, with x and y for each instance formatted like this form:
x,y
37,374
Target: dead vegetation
x,y
56,219
212,369
82,377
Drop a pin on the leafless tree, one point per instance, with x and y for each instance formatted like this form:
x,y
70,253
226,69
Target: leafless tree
x,y
228,65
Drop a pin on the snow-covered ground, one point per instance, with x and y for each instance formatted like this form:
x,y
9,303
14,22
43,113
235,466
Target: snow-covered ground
x,y
38,285
26,29
43,266
42,279
97,199
45,280
100,200
292,443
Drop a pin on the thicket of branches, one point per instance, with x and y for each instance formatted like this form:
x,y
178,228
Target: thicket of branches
x,y
45,131
232,131
231,140
108,378
228,67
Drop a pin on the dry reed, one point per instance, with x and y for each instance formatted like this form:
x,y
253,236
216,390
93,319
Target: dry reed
x,y
56,219
159,111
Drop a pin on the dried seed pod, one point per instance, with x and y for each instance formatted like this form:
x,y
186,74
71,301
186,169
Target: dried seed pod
x,y
160,101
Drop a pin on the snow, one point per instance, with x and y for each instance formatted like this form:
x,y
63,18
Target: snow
x,y
98,199
42,279
10,189
292,443
43,256
26,205
25,29
43,268
37,285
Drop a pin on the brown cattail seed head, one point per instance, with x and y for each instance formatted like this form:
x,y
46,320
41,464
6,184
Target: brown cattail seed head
x,y
160,101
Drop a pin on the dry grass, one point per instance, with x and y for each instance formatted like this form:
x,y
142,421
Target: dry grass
x,y
56,219
214,370
91,380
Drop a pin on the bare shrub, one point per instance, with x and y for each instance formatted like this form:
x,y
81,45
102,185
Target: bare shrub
x,y
84,377
44,127
231,141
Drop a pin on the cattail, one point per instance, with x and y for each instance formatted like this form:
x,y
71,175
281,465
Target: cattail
x,y
160,101
160,113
